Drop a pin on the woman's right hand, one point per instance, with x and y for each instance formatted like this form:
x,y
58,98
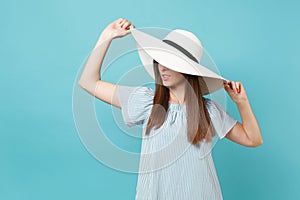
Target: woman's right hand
x,y
119,28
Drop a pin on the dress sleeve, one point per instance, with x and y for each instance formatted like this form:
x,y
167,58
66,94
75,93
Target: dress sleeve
x,y
221,120
136,103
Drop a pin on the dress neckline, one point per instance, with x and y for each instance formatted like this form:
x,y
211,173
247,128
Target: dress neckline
x,y
176,106
170,102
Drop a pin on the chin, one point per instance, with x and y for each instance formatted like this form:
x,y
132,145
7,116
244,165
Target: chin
x,y
166,84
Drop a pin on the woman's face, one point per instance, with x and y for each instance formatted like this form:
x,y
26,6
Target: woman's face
x,y
170,78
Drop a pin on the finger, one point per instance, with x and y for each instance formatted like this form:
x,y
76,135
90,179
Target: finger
x,y
225,82
119,20
229,90
126,25
128,29
230,84
237,87
131,26
241,87
227,86
122,22
233,85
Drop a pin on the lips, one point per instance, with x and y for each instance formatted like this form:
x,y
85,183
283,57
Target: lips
x,y
165,76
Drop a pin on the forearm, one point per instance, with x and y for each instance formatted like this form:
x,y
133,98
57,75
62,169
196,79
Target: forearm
x,y
92,69
249,122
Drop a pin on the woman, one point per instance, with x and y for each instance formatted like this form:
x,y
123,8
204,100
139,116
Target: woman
x,y
179,120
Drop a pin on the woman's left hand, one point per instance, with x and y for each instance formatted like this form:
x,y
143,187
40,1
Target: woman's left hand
x,y
236,91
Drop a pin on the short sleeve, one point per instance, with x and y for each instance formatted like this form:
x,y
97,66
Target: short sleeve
x,y
136,103
222,121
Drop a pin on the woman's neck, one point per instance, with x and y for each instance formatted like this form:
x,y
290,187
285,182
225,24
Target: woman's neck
x,y
177,94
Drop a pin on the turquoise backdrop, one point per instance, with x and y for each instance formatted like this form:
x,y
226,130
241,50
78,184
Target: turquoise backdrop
x,y
43,45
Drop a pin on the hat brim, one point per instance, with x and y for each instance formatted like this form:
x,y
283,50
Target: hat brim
x,y
151,48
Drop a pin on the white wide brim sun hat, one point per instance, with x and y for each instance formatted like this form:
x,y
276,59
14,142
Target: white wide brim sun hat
x,y
180,51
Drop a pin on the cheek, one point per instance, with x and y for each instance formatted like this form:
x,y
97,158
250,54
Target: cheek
x,y
178,78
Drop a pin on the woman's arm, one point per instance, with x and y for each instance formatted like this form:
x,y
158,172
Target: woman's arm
x,y
247,133
90,79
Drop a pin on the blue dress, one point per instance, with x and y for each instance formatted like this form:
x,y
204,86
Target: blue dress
x,y
171,167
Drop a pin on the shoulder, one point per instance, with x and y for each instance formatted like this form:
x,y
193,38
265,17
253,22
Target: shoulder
x,y
221,119
135,97
136,103
142,93
214,108
129,92
136,89
144,90
210,104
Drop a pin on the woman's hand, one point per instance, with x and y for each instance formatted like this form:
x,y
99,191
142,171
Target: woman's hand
x,y
118,28
236,91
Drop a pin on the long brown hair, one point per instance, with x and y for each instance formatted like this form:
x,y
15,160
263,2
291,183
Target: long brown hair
x,y
198,119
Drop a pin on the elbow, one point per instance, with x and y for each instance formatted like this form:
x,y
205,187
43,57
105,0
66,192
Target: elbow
x,y
81,84
260,141
88,86
87,83
256,143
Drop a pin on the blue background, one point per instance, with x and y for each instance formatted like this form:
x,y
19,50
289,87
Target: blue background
x,y
43,44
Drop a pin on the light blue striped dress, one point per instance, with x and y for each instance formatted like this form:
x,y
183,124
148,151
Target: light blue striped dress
x,y
171,167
